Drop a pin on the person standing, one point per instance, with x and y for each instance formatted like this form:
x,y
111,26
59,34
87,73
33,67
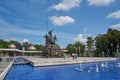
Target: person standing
x,y
73,55
65,55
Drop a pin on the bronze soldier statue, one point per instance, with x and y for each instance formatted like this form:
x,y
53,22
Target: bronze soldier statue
x,y
47,39
55,39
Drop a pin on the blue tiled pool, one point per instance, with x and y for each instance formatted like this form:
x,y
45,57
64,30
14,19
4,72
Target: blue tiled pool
x,y
20,60
89,71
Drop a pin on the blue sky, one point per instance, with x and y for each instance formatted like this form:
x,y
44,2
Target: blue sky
x,y
72,20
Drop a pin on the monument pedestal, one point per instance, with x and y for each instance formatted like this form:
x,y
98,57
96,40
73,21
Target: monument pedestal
x,y
53,51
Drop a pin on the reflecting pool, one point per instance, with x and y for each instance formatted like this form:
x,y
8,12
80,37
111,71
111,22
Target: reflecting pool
x,y
88,71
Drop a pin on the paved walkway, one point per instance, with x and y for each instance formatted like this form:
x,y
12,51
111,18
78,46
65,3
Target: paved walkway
x,y
59,61
3,67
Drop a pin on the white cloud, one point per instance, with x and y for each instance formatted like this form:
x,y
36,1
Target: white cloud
x,y
114,15
80,38
100,2
14,39
67,4
60,21
87,35
25,40
116,26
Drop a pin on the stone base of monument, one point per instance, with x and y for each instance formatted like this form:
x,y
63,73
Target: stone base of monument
x,y
52,51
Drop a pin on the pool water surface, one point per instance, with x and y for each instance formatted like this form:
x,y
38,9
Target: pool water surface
x,y
88,71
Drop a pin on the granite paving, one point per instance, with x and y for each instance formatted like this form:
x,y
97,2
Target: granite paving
x,y
36,61
3,66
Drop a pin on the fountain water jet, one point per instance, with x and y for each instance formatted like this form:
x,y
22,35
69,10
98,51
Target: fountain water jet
x,y
96,68
106,64
80,69
102,65
118,64
89,70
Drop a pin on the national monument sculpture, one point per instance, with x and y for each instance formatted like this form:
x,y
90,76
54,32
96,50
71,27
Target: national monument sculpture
x,y
52,49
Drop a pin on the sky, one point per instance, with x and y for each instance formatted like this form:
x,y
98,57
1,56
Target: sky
x,y
71,20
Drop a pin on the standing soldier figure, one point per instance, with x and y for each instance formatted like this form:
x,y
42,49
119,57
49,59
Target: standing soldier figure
x,y
55,39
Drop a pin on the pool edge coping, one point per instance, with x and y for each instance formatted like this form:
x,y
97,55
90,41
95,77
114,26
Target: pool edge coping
x,y
58,64
4,73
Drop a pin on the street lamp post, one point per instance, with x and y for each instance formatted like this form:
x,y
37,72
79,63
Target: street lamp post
x,y
102,54
108,51
76,49
23,48
91,52
111,48
117,50
79,52
50,50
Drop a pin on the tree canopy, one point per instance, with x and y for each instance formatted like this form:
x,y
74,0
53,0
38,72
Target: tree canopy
x,y
5,44
108,42
77,47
